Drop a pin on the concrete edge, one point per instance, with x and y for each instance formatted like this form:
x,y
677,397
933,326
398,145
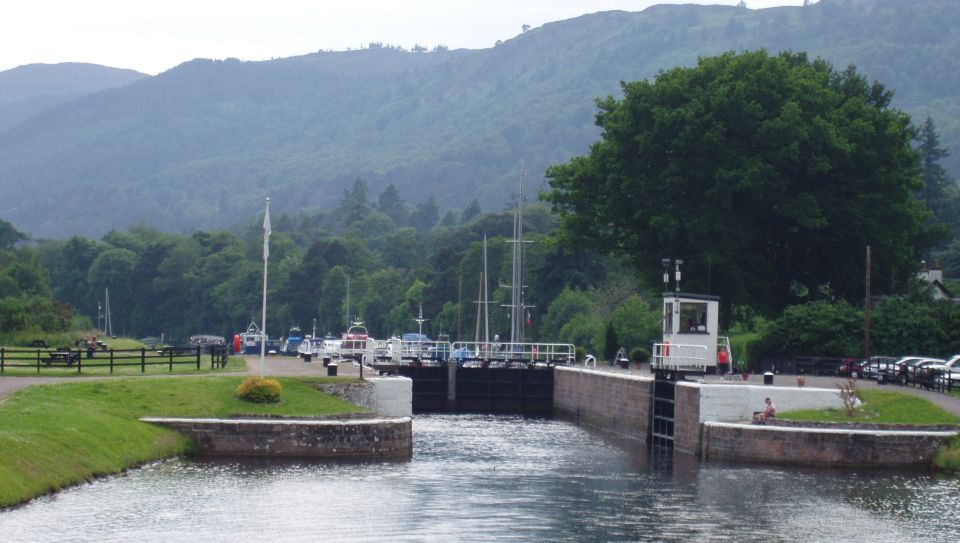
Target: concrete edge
x,y
289,422
627,376
846,431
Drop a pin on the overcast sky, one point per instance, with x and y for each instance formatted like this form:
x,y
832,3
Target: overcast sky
x,y
154,36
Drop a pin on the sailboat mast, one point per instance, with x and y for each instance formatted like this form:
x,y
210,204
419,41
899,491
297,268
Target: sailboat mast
x,y
486,299
517,305
108,322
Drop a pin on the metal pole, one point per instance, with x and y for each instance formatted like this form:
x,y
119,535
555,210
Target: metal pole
x,y
266,258
866,312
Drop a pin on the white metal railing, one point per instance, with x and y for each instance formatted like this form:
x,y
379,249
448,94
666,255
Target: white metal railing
x,y
689,357
547,353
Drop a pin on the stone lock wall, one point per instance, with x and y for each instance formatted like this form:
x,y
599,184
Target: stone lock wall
x,y
351,438
819,446
616,403
686,417
387,396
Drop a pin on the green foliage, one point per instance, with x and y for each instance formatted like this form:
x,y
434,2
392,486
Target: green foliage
x,y
743,347
610,342
639,355
939,193
947,456
57,435
817,328
637,323
923,327
260,390
783,153
9,236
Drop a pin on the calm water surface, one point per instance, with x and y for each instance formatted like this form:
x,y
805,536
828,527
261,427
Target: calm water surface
x,y
482,478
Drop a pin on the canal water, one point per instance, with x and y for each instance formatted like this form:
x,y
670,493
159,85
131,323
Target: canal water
x,y
485,478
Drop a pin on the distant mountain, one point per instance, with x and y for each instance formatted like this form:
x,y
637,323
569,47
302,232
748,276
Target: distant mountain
x,y
32,88
200,146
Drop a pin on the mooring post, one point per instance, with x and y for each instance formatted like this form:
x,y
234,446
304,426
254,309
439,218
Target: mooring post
x,y
452,385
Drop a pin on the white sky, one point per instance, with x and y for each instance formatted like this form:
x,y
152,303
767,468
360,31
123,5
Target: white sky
x,y
155,35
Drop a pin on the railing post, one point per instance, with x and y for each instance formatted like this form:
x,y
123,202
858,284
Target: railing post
x,y
198,356
3,358
38,361
143,360
170,358
79,362
111,360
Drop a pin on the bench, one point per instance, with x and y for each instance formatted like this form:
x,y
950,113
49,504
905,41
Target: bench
x,y
65,357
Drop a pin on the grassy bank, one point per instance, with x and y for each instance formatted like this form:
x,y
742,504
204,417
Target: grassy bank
x,y
54,436
882,407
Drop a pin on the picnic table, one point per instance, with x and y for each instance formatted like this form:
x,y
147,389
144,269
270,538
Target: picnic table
x,y
63,356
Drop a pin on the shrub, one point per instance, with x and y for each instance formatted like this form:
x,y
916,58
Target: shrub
x,y
639,354
260,390
947,456
581,354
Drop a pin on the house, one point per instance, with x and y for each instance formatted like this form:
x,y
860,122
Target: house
x,y
933,274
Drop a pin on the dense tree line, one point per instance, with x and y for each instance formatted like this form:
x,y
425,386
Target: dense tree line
x,y
378,259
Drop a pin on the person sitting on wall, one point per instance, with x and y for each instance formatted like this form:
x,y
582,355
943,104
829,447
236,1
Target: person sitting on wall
x,y
770,410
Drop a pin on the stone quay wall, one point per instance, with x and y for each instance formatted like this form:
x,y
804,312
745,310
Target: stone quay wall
x,y
385,396
686,418
837,447
373,438
613,402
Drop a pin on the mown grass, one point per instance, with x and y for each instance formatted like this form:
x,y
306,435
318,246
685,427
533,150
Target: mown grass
x,y
125,364
882,407
52,436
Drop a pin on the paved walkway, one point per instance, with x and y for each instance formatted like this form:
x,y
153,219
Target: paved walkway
x,y
275,367
943,400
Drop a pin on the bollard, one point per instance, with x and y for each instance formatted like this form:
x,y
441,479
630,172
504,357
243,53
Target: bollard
x,y
768,378
332,369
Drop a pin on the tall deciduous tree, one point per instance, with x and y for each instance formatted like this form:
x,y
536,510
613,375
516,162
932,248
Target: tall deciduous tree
x,y
760,171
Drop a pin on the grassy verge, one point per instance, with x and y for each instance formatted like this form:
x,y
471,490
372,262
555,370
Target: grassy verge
x,y
100,365
54,436
947,457
882,407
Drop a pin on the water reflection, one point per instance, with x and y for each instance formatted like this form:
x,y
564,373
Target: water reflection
x,y
479,478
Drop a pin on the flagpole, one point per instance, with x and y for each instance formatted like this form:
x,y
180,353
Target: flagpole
x,y
266,257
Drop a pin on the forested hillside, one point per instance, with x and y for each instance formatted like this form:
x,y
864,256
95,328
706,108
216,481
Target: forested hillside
x,y
200,145
28,90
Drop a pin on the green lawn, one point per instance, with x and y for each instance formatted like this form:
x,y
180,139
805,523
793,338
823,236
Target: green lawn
x,y
53,436
880,406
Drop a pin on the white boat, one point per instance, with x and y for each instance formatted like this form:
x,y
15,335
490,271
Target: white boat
x,y
250,340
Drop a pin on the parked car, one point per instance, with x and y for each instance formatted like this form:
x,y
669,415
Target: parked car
x,y
851,367
949,370
909,366
878,367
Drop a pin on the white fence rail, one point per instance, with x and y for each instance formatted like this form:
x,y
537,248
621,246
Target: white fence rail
x,y
668,356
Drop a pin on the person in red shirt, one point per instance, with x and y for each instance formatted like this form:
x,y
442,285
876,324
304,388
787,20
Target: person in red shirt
x,y
723,361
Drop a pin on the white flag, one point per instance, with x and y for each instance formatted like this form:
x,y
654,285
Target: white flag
x,y
266,234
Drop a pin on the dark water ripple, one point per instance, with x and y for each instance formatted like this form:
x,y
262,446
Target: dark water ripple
x,y
481,478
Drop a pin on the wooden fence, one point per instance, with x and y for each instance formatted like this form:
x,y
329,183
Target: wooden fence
x,y
112,358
